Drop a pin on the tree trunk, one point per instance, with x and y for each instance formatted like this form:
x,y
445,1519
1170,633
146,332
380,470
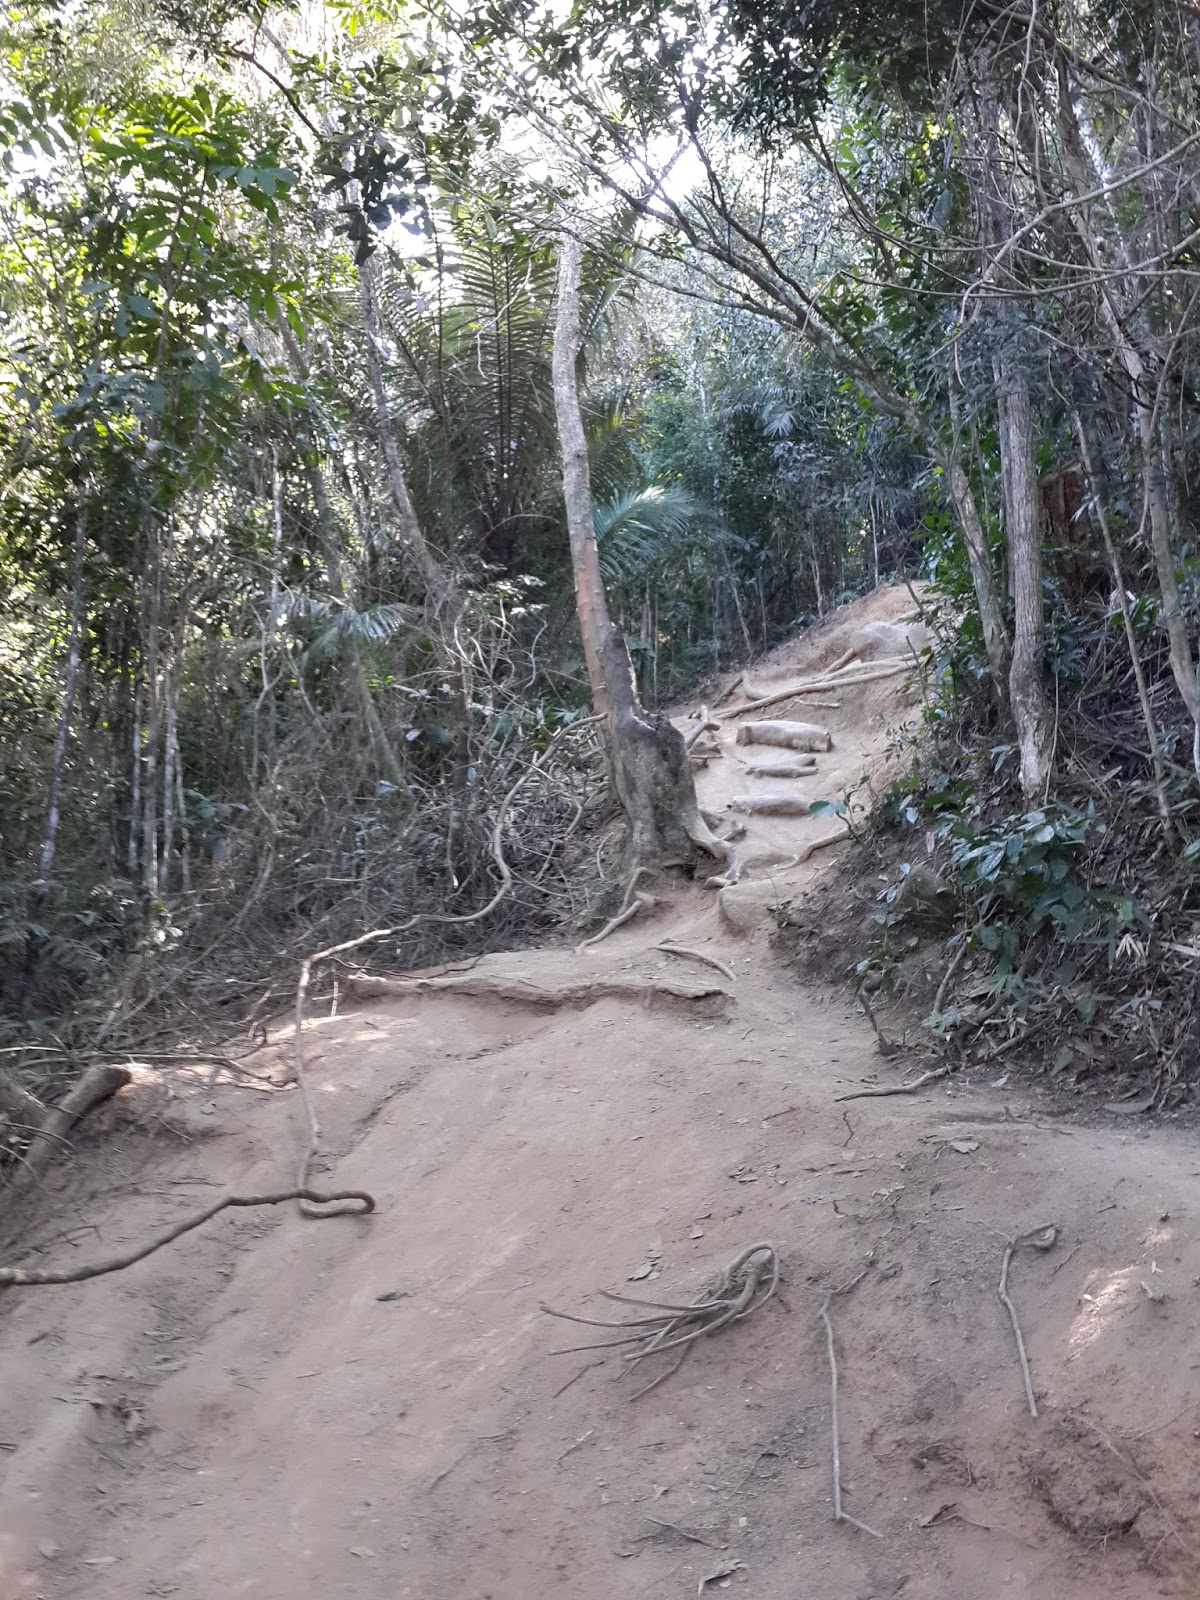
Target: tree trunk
x,y
1156,508
651,771
1027,695
437,578
591,605
58,759
979,557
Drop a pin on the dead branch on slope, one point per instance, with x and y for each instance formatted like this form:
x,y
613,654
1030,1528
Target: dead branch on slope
x,y
747,1283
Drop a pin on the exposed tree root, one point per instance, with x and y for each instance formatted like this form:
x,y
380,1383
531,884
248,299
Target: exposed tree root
x,y
17,1277
747,1283
688,954
521,992
632,904
98,1083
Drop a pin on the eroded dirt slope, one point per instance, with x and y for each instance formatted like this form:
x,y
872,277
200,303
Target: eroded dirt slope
x,y
372,1407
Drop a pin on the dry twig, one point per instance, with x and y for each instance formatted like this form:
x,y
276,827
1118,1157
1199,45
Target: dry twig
x,y
840,1514
1043,1238
747,1283
896,1088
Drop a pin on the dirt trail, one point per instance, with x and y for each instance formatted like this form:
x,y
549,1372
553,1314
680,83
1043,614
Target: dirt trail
x,y
371,1408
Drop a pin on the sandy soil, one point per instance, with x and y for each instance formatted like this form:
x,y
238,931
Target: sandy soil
x,y
372,1408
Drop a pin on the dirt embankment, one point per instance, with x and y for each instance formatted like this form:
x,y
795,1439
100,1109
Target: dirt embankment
x,y
374,1407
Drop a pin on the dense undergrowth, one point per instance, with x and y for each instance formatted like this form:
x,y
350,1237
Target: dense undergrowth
x,y
1061,937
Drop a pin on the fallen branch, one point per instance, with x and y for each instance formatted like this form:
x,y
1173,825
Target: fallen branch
x,y
1043,1238
948,975
705,724
895,1088
17,1277
579,992
883,1044
840,1514
865,672
688,954
733,1294
99,1083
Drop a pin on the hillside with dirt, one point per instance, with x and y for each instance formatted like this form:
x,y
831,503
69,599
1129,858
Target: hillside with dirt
x,y
378,1406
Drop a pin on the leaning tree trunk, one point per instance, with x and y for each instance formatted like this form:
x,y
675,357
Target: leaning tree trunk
x,y
650,764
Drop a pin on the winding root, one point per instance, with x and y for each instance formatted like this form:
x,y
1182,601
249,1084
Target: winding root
x,y
686,953
640,902
17,1277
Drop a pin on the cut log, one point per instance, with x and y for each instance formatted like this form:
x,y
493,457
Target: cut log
x,y
789,735
797,766
772,805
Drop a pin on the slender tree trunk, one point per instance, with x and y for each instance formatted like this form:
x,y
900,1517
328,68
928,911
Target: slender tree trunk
x,y
327,531
437,578
185,839
651,770
1114,562
1156,507
591,604
62,731
135,781
153,597
385,756
979,557
168,779
1027,695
